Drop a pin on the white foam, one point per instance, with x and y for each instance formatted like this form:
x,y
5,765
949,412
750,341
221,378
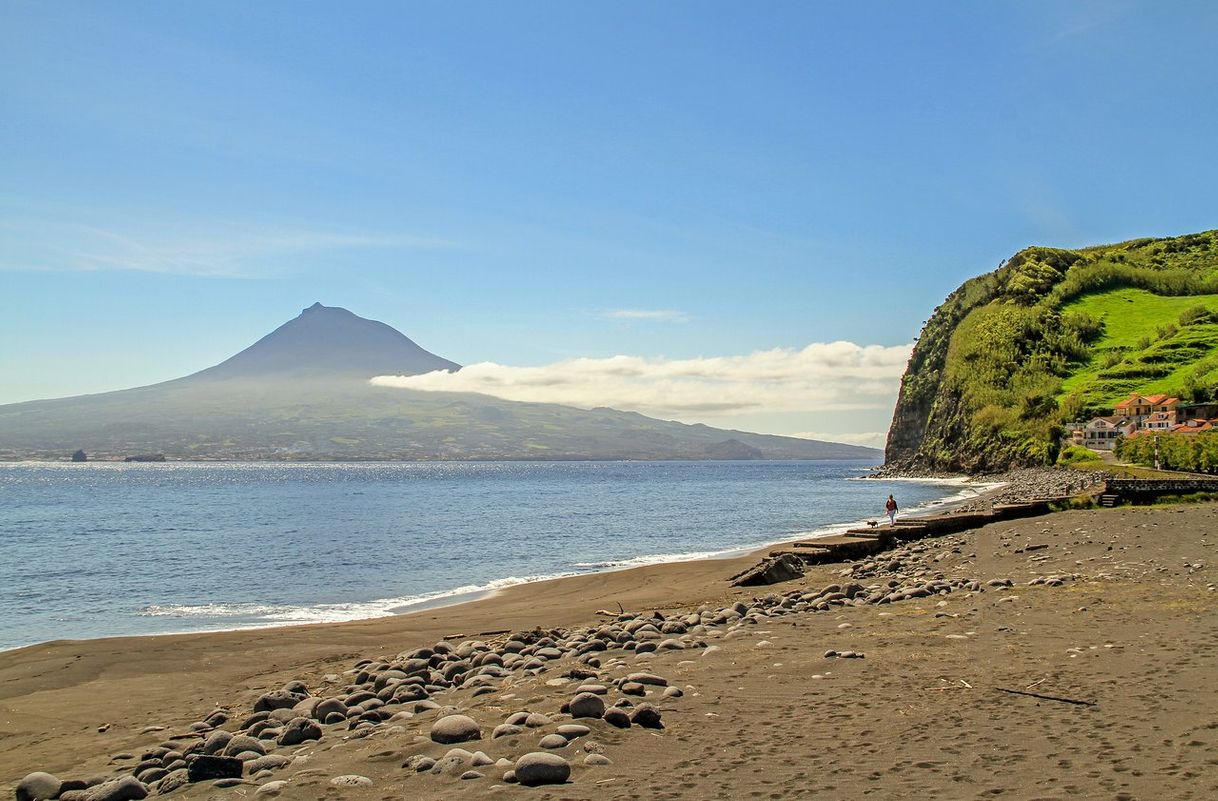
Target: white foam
x,y
262,615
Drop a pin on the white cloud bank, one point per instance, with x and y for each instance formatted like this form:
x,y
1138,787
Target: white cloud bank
x,y
870,439
821,378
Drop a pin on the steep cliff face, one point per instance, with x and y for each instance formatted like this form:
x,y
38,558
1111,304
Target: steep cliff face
x,y
1011,355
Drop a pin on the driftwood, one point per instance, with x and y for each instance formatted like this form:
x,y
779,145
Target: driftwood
x,y
1047,697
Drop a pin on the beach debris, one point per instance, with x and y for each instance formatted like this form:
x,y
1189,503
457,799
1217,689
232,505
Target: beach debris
x,y
1047,697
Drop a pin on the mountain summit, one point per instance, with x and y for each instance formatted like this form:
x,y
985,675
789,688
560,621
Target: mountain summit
x,y
326,342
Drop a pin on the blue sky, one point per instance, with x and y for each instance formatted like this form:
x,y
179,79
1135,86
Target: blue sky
x,y
502,181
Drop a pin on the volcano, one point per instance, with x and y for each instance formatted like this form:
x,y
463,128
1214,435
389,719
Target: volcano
x,y
303,393
328,341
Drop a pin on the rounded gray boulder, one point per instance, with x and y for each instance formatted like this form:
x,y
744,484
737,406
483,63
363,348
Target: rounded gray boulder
x,y
299,730
540,768
38,787
587,705
455,729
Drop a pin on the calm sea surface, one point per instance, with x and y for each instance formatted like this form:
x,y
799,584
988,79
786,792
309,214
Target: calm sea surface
x,y
93,550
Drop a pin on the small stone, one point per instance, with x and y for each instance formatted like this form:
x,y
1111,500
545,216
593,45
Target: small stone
x,y
593,760
573,730
539,768
472,774
553,741
455,729
506,730
647,716
633,688
298,730
271,788
127,788
673,692
351,780
587,705
268,762
617,717
38,786
242,743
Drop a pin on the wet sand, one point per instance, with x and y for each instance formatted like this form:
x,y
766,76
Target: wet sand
x,y
1132,630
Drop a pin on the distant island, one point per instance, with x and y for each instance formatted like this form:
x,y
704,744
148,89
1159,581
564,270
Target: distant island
x,y
302,393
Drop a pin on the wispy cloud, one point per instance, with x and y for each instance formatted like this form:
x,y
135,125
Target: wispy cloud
x,y
871,439
214,250
659,315
822,377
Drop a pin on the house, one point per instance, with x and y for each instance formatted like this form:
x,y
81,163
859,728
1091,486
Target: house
x,y
1195,426
1139,407
1102,433
1159,422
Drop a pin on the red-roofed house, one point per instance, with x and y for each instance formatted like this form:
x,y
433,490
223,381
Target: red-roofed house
x,y
1195,426
1139,407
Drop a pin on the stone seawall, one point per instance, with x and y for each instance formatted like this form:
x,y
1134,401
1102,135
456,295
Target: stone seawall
x,y
1143,489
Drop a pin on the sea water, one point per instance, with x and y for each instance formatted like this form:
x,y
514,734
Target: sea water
x,y
101,549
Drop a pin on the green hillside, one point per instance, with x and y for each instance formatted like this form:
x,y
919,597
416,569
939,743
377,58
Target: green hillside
x,y
1150,343
1051,336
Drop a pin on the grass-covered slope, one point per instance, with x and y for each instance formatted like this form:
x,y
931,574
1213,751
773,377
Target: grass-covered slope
x,y
1051,336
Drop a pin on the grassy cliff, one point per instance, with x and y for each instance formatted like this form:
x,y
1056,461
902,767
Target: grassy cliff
x,y
1052,336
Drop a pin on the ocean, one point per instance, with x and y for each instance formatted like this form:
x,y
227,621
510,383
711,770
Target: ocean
x,y
103,549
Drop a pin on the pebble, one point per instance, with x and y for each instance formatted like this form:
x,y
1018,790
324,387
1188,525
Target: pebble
x,y
553,741
455,729
587,705
127,788
617,717
593,760
271,788
573,730
647,716
351,780
539,768
38,786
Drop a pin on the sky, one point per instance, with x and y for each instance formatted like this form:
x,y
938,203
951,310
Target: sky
x,y
722,212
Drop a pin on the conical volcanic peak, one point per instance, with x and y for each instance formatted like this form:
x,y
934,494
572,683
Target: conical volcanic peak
x,y
328,341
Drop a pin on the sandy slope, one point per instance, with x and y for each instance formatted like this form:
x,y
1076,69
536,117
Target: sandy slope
x,y
1133,629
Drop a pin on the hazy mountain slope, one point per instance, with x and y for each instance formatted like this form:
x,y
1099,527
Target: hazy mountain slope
x,y
283,398
1053,336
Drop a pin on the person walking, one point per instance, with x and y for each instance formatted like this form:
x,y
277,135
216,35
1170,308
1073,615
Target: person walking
x,y
891,508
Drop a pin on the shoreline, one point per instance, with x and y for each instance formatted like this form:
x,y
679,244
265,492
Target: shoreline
x,y
67,706
442,599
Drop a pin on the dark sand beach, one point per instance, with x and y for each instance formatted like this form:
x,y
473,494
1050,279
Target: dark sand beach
x,y
1121,618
